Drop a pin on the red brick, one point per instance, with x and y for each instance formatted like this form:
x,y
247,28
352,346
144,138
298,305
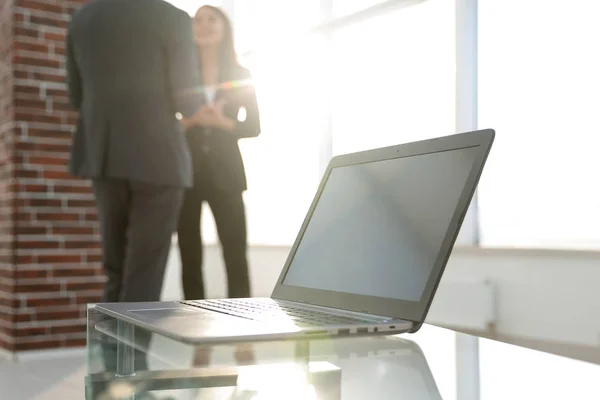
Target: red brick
x,y
30,103
81,203
19,19
6,317
59,37
30,331
72,230
24,147
27,89
91,217
35,188
23,317
53,148
57,301
35,61
56,22
75,342
60,50
71,119
14,303
31,230
47,161
39,244
72,189
37,117
94,258
18,74
57,315
54,134
56,92
59,77
26,32
32,273
59,259
88,299
73,273
7,345
39,47
57,217
82,244
54,7
27,173
37,287
39,202
25,259
6,273
85,286
21,219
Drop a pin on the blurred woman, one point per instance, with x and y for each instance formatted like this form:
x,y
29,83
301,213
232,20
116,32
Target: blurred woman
x,y
230,113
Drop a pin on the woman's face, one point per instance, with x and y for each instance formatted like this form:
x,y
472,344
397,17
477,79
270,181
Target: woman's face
x,y
208,27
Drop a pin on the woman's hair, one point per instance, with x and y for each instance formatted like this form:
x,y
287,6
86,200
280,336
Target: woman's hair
x,y
226,47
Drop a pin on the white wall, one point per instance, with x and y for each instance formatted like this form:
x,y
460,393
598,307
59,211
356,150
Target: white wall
x,y
541,295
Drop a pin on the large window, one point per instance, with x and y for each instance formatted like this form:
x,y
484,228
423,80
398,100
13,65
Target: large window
x,y
391,79
394,78
539,86
282,164
271,25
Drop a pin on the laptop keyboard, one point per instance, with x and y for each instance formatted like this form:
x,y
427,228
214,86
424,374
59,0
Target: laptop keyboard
x,y
265,310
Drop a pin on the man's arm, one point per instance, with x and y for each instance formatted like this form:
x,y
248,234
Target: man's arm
x,y
184,72
74,87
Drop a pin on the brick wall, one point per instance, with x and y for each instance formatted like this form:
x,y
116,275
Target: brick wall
x,y
6,181
51,257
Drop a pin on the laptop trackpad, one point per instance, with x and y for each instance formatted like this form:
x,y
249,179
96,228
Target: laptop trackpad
x,y
166,312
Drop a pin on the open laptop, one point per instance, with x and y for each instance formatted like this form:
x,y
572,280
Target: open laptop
x,y
367,260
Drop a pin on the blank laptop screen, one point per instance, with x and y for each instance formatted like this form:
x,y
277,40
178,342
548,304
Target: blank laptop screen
x,y
378,227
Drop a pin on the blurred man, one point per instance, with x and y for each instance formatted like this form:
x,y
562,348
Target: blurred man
x,y
131,67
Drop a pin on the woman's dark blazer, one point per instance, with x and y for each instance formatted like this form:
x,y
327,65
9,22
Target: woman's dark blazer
x,y
218,150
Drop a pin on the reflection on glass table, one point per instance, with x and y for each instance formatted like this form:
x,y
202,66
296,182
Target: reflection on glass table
x,y
126,363
129,363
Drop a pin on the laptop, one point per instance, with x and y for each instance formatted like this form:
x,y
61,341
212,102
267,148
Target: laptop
x,y
367,260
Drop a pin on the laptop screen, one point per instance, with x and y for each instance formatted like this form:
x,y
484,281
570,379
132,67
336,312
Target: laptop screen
x,y
378,227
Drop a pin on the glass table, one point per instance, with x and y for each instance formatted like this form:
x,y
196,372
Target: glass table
x,y
129,363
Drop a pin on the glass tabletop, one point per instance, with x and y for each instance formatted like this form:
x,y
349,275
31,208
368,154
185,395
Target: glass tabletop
x,y
126,362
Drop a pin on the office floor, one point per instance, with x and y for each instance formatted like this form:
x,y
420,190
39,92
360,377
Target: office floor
x,y
46,379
